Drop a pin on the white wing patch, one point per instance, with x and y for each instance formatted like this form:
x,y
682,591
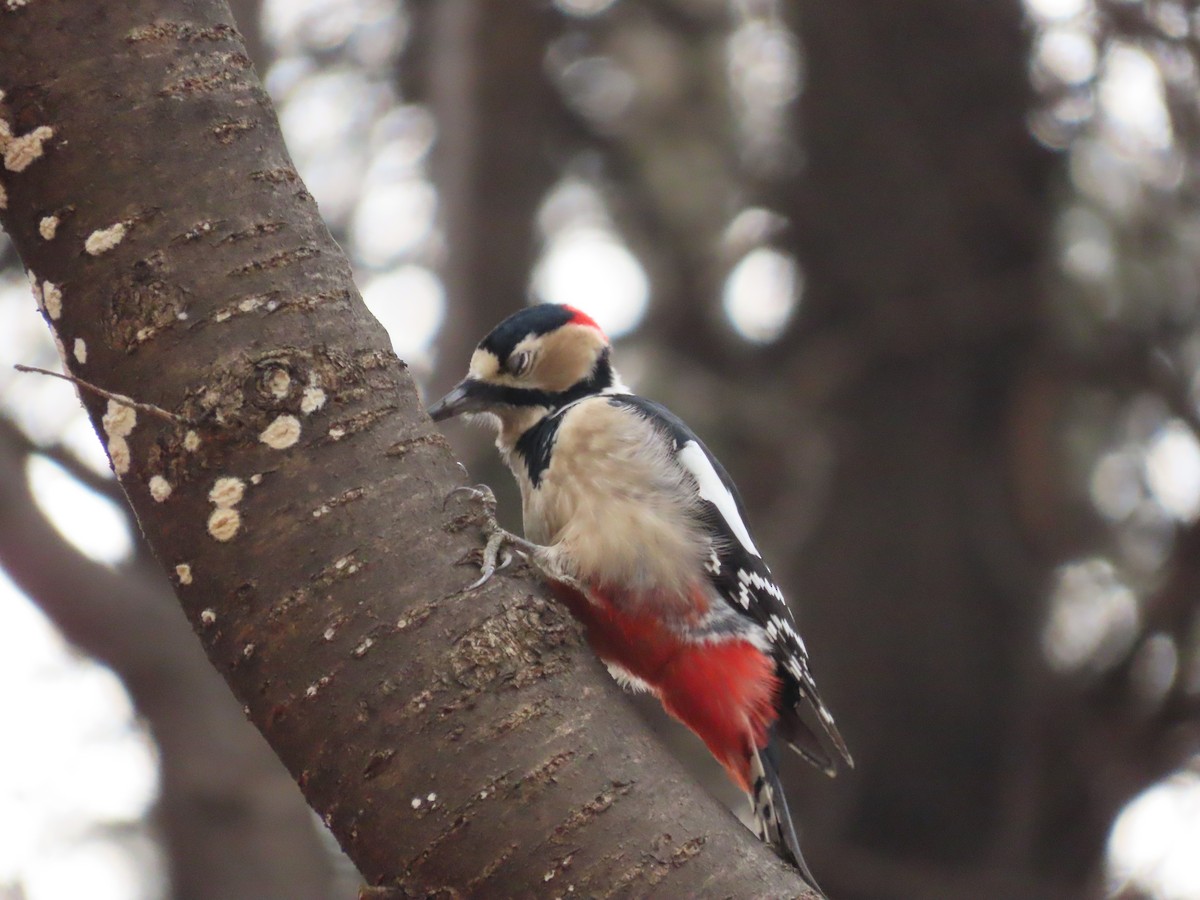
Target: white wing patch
x,y
694,459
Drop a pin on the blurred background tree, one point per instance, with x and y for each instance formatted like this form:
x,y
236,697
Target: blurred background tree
x,y
924,275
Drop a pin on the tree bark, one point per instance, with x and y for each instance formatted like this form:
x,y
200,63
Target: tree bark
x,y
453,742
248,16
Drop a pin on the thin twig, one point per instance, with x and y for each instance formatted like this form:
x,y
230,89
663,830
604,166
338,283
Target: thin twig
x,y
115,398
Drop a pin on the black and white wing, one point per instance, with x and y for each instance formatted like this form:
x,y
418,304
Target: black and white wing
x,y
739,575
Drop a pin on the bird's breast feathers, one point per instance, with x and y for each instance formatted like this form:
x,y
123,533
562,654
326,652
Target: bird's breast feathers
x,y
611,499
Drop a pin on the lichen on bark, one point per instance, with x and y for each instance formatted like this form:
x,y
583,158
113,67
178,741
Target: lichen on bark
x,y
194,266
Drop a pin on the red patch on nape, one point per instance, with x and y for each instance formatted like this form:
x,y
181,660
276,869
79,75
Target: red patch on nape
x,y
579,317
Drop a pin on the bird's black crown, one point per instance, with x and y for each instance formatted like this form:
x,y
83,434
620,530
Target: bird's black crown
x,y
540,319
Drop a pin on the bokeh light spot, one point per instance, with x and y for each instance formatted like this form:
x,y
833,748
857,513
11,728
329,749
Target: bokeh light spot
x,y
1153,843
1068,54
761,294
75,786
410,302
1173,470
393,219
1057,10
583,8
1093,617
93,524
590,268
1131,94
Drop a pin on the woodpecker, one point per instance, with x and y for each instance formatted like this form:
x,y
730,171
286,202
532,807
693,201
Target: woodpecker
x,y
642,535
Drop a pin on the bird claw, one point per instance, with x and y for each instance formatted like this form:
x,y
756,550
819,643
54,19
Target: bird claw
x,y
489,569
480,492
496,557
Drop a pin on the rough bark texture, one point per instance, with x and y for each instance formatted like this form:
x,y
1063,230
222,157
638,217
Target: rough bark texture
x,y
247,14
453,741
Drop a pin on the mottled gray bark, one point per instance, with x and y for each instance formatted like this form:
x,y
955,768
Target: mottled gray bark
x,y
452,741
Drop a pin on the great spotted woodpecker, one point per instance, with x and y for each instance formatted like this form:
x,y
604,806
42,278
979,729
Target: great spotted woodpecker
x,y
643,536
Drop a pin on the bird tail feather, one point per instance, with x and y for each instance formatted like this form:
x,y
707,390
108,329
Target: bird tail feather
x,y
772,819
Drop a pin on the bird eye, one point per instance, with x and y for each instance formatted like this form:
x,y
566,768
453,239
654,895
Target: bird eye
x,y
519,363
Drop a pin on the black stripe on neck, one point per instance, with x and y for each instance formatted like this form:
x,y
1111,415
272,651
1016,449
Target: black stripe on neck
x,y
536,443
536,446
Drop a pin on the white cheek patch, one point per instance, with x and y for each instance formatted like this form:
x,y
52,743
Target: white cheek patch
x,y
714,491
484,365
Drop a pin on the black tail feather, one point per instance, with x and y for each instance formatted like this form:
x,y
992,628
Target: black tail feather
x,y
772,818
808,727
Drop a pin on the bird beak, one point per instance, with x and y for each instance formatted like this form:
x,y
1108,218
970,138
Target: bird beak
x,y
460,400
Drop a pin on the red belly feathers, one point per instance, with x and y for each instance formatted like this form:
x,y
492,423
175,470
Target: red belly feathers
x,y
725,691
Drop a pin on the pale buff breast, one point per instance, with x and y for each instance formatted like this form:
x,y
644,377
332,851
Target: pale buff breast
x,y
614,504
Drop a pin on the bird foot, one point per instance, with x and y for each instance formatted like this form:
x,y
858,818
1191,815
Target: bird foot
x,y
495,555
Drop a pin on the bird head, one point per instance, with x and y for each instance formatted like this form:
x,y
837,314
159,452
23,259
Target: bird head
x,y
534,362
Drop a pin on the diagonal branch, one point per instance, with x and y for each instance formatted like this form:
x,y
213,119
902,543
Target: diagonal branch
x,y
453,742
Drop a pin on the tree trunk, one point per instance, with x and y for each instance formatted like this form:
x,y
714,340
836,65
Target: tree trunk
x,y
482,71
923,220
452,741
493,162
